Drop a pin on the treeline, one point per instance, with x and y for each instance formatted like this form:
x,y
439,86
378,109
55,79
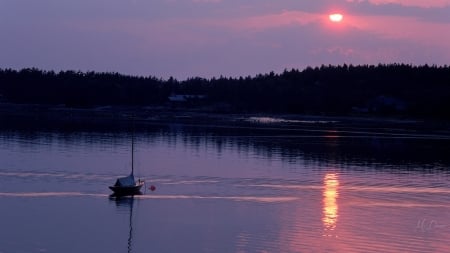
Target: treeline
x,y
395,89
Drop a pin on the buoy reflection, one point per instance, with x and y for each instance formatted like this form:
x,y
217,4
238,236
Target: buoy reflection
x,y
330,206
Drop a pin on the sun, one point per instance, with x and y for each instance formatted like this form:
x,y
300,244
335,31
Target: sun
x,y
336,17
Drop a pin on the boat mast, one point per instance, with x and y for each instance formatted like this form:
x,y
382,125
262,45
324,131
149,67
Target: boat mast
x,y
132,153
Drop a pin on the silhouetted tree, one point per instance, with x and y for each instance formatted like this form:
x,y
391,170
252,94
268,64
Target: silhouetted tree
x,y
394,89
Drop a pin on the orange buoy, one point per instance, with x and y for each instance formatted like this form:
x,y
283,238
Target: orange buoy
x,y
152,188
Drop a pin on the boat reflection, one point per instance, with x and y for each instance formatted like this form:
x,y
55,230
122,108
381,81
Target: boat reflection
x,y
330,206
126,202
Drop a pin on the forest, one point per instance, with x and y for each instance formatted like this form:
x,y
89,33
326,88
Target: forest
x,y
385,90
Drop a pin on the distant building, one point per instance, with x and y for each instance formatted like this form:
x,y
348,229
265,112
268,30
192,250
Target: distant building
x,y
184,98
360,109
387,104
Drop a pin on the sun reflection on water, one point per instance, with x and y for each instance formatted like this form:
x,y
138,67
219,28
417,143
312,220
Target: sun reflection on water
x,y
330,206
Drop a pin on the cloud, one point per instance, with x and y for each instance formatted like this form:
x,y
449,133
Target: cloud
x,y
434,13
184,38
206,1
407,28
418,3
271,21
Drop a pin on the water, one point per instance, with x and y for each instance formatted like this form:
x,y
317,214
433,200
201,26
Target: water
x,y
257,185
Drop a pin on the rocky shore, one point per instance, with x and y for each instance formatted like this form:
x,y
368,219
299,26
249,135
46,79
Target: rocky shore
x,y
28,116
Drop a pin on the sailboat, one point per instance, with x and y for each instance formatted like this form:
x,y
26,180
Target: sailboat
x,y
128,185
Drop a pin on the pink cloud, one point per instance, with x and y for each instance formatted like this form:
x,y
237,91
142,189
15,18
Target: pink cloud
x,y
269,21
206,1
418,3
384,39
234,38
406,28
186,36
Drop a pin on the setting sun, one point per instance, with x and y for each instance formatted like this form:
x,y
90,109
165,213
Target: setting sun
x,y
336,17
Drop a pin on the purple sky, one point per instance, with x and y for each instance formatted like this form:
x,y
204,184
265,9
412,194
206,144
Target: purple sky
x,y
186,38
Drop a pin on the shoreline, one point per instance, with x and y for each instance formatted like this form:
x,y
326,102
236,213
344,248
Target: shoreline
x,y
30,116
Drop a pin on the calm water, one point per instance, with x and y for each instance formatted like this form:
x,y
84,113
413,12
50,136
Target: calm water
x,y
262,186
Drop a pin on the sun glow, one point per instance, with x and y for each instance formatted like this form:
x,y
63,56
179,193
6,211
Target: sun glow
x,y
336,17
330,206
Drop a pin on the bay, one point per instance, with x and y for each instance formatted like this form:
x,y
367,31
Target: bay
x,y
257,184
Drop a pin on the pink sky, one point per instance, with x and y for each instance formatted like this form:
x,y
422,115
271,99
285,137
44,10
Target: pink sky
x,y
186,38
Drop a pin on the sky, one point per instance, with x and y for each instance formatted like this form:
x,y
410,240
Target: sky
x,y
212,38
